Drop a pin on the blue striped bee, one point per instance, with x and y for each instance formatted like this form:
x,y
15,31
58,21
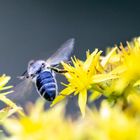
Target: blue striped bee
x,y
42,72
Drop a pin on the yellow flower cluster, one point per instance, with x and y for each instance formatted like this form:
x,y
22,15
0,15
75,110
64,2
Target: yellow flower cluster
x,y
40,124
106,124
114,76
11,106
125,64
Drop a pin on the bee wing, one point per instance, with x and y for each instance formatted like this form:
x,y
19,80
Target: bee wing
x,y
22,90
62,54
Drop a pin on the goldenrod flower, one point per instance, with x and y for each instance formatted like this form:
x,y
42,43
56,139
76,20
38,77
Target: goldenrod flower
x,y
133,100
127,68
40,124
124,63
116,124
3,81
108,123
116,75
82,77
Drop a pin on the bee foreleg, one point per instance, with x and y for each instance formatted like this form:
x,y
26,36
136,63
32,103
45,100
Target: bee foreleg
x,y
22,77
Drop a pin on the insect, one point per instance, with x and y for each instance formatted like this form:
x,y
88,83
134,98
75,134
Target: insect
x,y
42,72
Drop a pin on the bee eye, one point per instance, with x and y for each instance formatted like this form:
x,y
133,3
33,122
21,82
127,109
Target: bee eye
x,y
32,75
43,65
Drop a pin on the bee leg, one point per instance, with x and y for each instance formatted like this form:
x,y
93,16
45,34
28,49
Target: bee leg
x,y
22,77
58,70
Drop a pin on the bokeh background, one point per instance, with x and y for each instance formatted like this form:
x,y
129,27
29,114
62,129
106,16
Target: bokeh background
x,y
31,29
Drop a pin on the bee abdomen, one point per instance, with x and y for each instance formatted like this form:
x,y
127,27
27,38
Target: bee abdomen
x,y
46,85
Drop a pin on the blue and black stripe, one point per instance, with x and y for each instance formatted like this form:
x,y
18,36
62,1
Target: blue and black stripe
x,y
46,85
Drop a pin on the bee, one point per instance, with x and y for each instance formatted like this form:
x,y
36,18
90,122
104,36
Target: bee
x,y
42,72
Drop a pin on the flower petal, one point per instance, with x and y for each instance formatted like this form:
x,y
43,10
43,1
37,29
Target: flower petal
x,y
57,99
89,60
94,96
5,88
4,80
11,104
62,95
82,99
103,77
106,59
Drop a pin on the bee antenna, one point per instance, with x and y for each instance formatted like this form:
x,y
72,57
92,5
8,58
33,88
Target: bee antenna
x,y
23,74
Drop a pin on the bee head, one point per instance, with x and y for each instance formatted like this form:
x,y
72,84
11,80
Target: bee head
x,y
35,67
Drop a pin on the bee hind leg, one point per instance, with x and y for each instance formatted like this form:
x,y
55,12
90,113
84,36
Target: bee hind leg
x,y
58,70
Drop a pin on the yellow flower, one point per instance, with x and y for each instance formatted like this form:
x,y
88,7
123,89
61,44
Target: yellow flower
x,y
128,68
40,124
133,100
131,65
3,81
82,77
117,125
124,63
108,62
109,123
